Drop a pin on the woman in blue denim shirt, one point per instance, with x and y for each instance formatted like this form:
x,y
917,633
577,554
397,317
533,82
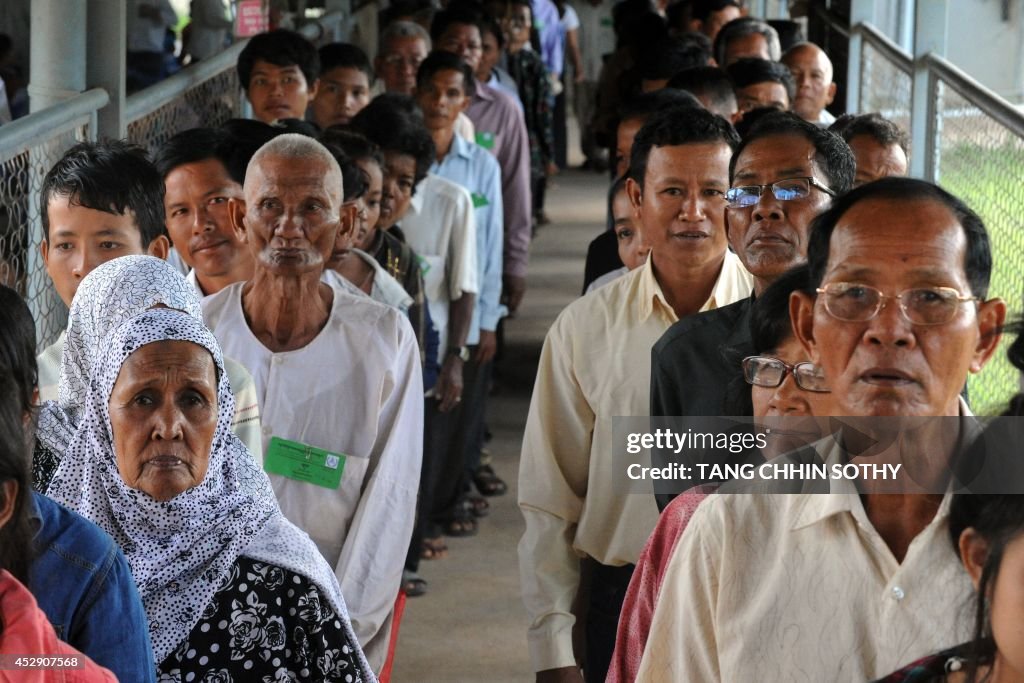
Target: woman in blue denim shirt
x,y
77,574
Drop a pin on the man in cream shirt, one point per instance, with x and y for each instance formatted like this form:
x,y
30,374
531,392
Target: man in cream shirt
x,y
850,585
595,365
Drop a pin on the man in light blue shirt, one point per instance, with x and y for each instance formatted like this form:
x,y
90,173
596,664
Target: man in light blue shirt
x,y
444,86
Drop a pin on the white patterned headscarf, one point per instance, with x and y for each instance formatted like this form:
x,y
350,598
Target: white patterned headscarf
x,y
112,293
181,550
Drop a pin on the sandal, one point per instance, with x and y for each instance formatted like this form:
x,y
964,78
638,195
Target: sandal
x,y
413,585
463,525
488,483
478,507
434,549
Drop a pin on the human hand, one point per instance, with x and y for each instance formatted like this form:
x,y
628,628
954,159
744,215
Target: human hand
x,y
487,347
513,287
448,389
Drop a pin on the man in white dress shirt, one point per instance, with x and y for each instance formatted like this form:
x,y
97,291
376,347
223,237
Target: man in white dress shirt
x,y
338,381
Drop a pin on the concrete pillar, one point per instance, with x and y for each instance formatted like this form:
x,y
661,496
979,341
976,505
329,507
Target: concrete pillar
x,y
106,62
56,74
930,30
57,69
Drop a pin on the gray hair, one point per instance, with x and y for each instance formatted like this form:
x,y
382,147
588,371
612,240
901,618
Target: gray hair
x,y
746,26
295,146
402,29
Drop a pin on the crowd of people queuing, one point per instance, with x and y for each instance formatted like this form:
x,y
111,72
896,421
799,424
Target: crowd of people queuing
x,y
268,406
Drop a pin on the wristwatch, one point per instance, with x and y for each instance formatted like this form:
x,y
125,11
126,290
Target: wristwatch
x,y
461,351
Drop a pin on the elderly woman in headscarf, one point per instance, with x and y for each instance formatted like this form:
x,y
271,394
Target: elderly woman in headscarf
x,y
112,293
231,589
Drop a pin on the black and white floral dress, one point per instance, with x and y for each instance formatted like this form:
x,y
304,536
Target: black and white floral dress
x,y
265,624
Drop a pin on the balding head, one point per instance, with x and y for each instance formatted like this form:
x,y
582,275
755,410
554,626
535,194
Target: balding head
x,y
812,71
305,153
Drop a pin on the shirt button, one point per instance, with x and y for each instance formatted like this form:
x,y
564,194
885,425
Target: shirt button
x,y
266,431
277,360
898,593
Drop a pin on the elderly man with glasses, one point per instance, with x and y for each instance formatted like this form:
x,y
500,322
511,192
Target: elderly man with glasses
x,y
845,586
784,173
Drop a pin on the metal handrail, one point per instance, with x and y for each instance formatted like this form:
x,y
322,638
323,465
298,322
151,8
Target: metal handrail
x,y
900,59
40,126
150,99
974,92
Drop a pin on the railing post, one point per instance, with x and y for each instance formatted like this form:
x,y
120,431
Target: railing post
x,y
861,11
930,26
57,74
106,62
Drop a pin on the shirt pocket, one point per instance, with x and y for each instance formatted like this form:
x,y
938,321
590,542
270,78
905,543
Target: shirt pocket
x,y
433,278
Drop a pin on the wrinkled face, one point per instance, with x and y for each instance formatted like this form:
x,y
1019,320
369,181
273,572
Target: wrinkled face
x,y
343,93
632,250
398,62
198,219
888,365
399,181
463,40
812,72
292,213
371,201
624,136
681,208
752,45
771,236
875,160
763,94
490,53
717,20
81,239
279,92
163,416
442,99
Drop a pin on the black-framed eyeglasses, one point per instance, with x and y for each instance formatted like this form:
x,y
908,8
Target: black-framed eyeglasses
x,y
770,372
785,190
854,302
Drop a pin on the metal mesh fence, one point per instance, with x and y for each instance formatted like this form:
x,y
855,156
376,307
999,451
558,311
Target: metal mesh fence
x,y
884,87
982,162
21,266
209,103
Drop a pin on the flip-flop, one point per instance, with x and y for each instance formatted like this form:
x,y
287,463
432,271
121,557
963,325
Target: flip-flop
x,y
434,549
413,585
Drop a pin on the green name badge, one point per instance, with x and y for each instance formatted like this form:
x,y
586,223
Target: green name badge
x,y
479,200
485,140
424,266
304,463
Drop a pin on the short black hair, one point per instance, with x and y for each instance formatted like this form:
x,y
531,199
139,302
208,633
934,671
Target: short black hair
x,y
707,81
279,47
455,15
114,176
677,126
347,56
353,180
18,346
978,256
881,129
648,103
16,547
439,60
491,25
751,70
392,121
353,144
244,138
770,325
192,146
745,26
703,9
663,59
832,155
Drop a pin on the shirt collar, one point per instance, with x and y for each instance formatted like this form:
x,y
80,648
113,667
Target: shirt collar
x,y
417,197
483,91
652,298
460,147
843,495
